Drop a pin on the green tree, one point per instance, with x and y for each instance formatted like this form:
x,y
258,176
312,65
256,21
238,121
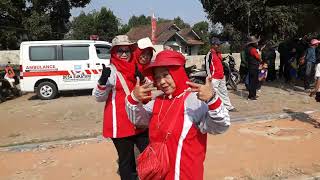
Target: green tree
x,y
202,29
83,26
180,23
34,20
103,23
11,27
38,26
107,24
276,20
135,21
59,13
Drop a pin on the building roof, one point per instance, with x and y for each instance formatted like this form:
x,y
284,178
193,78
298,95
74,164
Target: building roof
x,y
190,36
164,32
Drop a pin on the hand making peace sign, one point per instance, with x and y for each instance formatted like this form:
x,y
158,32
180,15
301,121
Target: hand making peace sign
x,y
204,92
143,93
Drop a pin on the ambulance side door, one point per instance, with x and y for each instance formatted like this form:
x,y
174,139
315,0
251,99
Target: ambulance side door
x,y
102,56
75,59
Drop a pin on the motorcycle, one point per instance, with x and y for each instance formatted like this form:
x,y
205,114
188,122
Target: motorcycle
x,y
6,90
196,75
231,74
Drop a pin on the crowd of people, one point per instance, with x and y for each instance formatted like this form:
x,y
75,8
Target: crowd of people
x,y
299,59
154,106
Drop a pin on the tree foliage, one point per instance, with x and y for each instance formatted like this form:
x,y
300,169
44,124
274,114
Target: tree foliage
x,y
180,23
34,20
268,18
135,21
202,29
103,23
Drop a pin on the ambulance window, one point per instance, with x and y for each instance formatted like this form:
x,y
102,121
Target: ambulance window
x,y
75,52
43,53
103,52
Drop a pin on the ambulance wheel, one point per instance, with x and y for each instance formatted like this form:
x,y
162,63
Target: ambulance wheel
x,y
47,91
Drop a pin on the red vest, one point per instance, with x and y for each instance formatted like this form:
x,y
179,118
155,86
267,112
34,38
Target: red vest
x,y
186,145
116,123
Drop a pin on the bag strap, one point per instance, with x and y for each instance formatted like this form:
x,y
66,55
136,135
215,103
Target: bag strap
x,y
122,81
173,123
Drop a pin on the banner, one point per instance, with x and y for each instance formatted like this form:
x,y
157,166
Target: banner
x,y
153,29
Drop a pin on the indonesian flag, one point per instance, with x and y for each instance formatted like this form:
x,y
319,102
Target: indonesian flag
x,y
153,29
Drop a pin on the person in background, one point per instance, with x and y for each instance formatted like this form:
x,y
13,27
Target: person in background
x,y
254,60
214,68
310,60
180,119
9,76
269,56
117,81
316,90
243,66
143,54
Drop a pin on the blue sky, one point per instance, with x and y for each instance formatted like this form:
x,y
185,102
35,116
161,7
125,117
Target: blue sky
x,y
190,11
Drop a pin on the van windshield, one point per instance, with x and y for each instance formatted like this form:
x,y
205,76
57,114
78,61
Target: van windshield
x,y
103,51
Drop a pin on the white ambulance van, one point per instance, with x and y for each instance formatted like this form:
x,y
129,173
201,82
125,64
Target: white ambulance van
x,y
48,67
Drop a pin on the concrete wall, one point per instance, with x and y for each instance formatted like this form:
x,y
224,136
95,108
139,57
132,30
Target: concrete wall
x,y
199,60
12,56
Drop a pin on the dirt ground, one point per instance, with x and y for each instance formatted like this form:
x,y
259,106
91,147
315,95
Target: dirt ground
x,y
257,150
279,149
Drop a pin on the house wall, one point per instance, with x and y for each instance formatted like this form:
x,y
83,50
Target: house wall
x,y
11,55
195,49
199,60
181,43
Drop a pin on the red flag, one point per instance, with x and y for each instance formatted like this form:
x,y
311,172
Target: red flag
x,y
153,29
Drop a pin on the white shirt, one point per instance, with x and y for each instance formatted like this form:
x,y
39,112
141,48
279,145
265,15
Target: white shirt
x,y
317,75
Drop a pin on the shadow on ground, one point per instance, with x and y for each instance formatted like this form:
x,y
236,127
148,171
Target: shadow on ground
x,y
68,94
303,117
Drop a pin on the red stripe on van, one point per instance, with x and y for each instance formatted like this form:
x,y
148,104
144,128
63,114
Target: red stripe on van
x,y
50,73
88,71
94,71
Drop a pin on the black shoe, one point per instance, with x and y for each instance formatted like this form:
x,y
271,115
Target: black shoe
x,y
233,110
252,99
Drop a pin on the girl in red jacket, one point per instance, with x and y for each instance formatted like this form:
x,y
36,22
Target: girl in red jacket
x,y
180,117
116,81
143,55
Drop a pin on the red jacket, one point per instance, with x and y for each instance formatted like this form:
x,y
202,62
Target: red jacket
x,y
116,123
188,141
216,68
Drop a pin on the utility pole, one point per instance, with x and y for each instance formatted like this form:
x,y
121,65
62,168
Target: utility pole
x,y
249,13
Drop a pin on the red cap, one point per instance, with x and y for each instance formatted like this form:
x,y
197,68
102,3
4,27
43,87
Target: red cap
x,y
167,58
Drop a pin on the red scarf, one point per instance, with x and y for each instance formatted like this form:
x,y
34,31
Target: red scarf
x,y
126,68
136,55
180,78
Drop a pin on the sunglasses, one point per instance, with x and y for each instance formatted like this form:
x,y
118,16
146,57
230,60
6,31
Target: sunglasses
x,y
121,51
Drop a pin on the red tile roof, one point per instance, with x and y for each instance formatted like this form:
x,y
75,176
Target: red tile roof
x,y
164,32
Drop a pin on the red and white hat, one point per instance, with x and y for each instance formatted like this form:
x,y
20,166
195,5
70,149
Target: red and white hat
x,y
145,43
167,58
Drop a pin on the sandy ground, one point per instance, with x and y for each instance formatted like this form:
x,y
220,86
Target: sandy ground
x,y
257,150
280,149
76,115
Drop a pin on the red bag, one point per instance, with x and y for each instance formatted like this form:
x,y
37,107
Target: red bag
x,y
153,162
